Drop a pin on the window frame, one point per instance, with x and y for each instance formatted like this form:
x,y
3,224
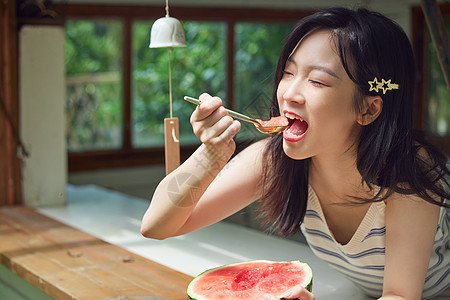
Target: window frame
x,y
419,30
127,155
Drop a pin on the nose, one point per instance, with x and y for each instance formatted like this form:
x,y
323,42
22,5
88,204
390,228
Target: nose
x,y
292,92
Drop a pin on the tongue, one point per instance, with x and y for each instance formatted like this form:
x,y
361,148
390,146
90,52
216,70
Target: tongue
x,y
298,127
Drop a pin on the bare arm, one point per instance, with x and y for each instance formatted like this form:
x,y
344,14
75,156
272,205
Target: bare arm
x,y
205,189
410,230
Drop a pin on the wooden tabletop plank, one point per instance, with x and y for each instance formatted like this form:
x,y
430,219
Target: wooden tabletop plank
x,y
67,263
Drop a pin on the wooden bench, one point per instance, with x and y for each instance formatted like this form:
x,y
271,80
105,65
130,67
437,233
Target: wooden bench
x,y
67,263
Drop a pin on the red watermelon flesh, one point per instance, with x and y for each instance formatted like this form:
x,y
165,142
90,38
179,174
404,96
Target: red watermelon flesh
x,y
275,121
275,124
250,280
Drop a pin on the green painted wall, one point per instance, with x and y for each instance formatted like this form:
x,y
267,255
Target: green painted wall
x,y
13,287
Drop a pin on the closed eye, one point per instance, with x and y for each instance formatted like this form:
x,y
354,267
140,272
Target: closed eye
x,y
317,83
284,72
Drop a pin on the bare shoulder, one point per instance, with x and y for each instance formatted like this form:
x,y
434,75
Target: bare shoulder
x,y
253,153
410,208
257,147
245,169
411,223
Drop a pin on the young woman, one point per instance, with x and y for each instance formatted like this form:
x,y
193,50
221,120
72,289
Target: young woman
x,y
367,190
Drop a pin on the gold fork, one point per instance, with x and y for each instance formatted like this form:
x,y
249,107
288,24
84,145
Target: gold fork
x,y
269,129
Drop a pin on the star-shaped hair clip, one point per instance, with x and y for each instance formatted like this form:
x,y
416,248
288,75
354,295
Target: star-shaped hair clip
x,y
383,85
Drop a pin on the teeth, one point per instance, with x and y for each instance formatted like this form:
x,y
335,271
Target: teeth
x,y
292,116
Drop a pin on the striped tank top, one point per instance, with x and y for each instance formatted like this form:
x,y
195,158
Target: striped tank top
x,y
361,260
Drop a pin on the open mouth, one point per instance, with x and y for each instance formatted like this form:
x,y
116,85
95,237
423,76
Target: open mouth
x,y
296,129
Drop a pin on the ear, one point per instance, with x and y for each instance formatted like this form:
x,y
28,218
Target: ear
x,y
373,105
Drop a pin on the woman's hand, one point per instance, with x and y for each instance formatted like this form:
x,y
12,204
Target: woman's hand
x,y
299,292
214,127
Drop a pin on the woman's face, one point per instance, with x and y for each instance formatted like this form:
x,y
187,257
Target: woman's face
x,y
317,95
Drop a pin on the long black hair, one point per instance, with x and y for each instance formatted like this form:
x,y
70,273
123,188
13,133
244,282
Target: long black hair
x,y
370,46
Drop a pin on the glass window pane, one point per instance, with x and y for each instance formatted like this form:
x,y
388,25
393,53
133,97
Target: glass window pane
x,y
258,46
94,85
199,67
437,95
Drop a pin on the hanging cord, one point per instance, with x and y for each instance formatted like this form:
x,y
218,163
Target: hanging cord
x,y
170,83
24,152
167,8
170,67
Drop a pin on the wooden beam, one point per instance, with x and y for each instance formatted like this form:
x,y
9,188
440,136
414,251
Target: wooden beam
x,y
10,170
145,12
127,75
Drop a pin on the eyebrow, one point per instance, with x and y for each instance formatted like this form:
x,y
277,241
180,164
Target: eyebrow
x,y
316,67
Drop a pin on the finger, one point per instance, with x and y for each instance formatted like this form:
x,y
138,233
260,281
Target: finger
x,y
213,118
230,132
203,97
205,111
207,107
213,125
201,119
300,293
225,140
216,130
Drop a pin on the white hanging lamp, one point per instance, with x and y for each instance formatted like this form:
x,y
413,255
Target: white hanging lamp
x,y
167,32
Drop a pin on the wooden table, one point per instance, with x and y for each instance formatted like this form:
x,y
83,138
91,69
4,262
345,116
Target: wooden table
x,y
67,263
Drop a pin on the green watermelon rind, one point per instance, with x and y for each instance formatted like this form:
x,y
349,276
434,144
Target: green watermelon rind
x,y
308,286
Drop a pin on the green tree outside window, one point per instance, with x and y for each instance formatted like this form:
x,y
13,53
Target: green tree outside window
x,y
94,83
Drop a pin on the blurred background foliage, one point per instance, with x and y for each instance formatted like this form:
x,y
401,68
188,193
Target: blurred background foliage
x,y
94,81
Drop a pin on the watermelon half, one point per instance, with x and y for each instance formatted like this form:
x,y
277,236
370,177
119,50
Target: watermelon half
x,y
250,280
